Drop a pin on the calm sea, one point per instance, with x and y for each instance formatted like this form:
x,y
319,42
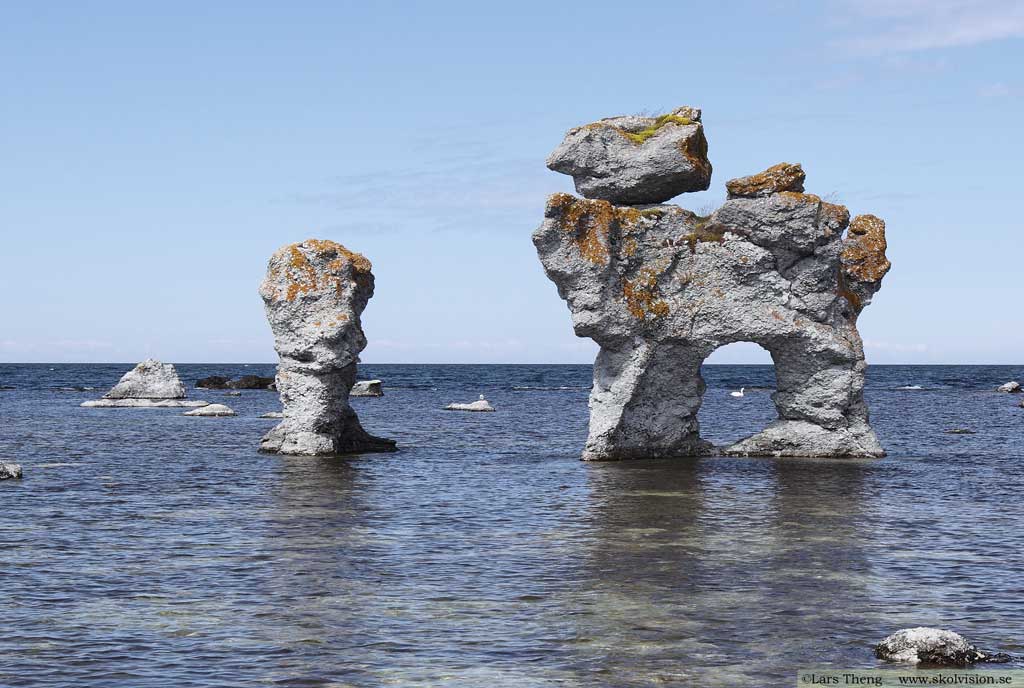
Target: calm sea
x,y
144,548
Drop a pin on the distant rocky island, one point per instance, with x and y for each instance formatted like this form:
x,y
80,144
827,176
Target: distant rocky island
x,y
659,288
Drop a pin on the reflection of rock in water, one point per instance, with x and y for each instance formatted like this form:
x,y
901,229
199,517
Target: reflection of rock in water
x,y
740,564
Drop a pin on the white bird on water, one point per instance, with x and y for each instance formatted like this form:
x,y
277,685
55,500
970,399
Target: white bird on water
x,y
737,394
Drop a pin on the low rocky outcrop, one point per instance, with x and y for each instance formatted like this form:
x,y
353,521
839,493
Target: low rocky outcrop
x,y
636,159
314,293
151,384
659,288
212,410
244,382
480,405
9,471
933,646
144,403
1010,388
150,379
367,388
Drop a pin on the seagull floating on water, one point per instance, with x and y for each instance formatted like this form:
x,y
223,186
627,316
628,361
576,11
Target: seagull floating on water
x,y
737,394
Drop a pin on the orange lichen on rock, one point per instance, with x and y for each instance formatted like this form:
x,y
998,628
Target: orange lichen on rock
x,y
642,294
301,275
782,177
592,224
863,256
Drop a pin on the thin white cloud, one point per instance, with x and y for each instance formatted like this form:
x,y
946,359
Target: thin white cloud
x,y
879,27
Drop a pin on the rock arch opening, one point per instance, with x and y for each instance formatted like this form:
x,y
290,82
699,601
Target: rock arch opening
x,y
738,368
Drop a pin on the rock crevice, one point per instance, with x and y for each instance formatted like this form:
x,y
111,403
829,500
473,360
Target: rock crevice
x,y
659,288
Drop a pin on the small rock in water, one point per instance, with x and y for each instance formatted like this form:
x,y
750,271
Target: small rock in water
x,y
273,414
1009,388
212,410
961,431
9,470
213,382
150,379
480,404
366,388
252,382
933,646
232,394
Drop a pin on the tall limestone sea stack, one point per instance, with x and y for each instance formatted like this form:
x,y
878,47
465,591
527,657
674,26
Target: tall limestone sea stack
x,y
314,293
659,288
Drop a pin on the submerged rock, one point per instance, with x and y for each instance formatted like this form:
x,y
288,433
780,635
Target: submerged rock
x,y
272,414
143,403
961,431
1010,388
933,646
480,404
232,394
367,388
150,379
314,293
10,471
212,410
635,159
659,288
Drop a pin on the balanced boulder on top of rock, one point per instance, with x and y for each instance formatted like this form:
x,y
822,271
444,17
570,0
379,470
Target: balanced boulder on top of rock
x,y
659,288
635,159
314,293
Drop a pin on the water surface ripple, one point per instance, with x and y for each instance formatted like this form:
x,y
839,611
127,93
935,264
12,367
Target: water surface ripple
x,y
145,548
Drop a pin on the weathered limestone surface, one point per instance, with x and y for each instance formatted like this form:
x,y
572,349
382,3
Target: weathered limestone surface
x,y
314,293
933,646
635,159
659,288
149,380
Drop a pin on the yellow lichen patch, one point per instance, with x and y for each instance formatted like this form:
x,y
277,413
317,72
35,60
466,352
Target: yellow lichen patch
x,y
655,124
695,150
799,197
863,254
641,296
700,236
781,177
591,224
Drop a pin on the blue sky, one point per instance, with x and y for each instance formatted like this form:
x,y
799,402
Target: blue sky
x,y
151,160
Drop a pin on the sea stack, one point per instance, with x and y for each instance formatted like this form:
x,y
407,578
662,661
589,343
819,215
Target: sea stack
x,y
314,293
659,288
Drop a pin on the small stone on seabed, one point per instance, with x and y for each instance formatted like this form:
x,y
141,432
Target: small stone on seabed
x,y
212,410
9,470
1009,388
480,404
933,646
